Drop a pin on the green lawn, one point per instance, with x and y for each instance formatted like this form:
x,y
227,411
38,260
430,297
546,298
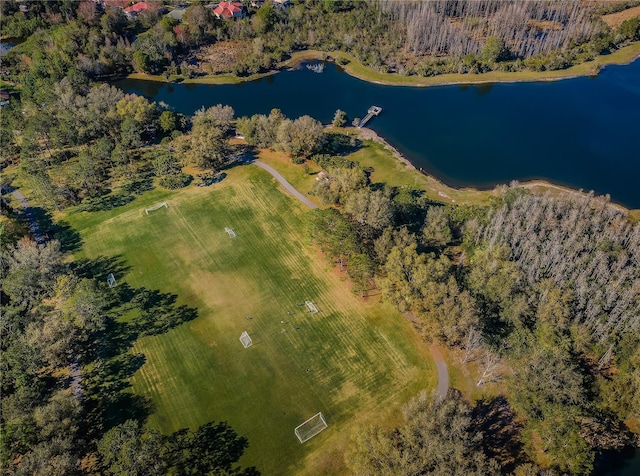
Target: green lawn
x,y
366,358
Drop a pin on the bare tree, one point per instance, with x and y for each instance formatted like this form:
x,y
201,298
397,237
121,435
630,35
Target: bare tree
x,y
490,369
472,345
606,358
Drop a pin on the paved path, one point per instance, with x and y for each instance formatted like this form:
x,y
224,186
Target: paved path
x,y
441,365
290,188
74,366
443,373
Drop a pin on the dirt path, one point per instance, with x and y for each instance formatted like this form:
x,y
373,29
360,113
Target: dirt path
x,y
74,366
290,188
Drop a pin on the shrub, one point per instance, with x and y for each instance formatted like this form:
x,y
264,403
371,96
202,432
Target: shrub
x,y
175,181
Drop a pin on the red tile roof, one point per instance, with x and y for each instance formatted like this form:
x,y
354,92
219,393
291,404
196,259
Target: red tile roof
x,y
115,3
228,9
137,7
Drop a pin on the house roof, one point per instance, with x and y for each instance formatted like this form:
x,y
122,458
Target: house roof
x,y
115,3
4,95
137,7
177,13
228,9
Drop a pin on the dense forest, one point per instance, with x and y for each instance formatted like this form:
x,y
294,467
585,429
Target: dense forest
x,y
538,293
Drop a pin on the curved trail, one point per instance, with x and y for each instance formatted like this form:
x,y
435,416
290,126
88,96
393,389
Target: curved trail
x,y
443,373
290,188
441,365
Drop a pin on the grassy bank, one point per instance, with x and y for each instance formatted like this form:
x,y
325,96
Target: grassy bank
x,y
226,78
390,168
353,67
396,171
365,358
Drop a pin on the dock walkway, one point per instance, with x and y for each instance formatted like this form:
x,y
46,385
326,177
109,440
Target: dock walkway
x,y
373,111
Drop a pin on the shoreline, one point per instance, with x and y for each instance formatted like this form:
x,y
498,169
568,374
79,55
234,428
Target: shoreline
x,y
543,186
624,56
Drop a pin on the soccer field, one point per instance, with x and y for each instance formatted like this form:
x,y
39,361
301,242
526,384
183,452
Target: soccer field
x,y
354,361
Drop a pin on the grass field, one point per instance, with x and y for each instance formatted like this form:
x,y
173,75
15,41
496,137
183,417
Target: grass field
x,y
366,358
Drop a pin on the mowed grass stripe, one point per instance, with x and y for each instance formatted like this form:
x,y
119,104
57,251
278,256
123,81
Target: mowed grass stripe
x,y
365,358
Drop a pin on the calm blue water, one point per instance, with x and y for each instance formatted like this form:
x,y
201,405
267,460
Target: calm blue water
x,y
581,132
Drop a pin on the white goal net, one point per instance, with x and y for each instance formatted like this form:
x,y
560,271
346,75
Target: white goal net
x,y
311,427
246,339
312,307
232,234
155,207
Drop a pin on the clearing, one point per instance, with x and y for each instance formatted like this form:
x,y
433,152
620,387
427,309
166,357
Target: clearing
x,y
365,359
614,20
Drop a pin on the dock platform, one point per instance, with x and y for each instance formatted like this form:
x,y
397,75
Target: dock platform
x,y
373,111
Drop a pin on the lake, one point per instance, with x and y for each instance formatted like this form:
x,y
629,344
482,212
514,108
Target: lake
x,y
582,132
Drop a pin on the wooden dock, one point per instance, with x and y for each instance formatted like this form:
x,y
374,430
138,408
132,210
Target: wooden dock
x,y
373,111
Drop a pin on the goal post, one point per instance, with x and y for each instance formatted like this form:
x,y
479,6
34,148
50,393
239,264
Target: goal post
x,y
312,307
111,281
230,232
155,207
246,340
311,427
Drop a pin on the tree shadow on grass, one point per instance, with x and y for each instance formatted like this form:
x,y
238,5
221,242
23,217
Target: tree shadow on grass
x,y
121,197
138,186
213,446
134,313
341,144
104,203
60,230
99,268
495,418
109,401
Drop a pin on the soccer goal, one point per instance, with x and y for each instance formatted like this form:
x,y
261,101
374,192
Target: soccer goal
x,y
155,207
232,234
311,427
246,340
111,281
312,307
